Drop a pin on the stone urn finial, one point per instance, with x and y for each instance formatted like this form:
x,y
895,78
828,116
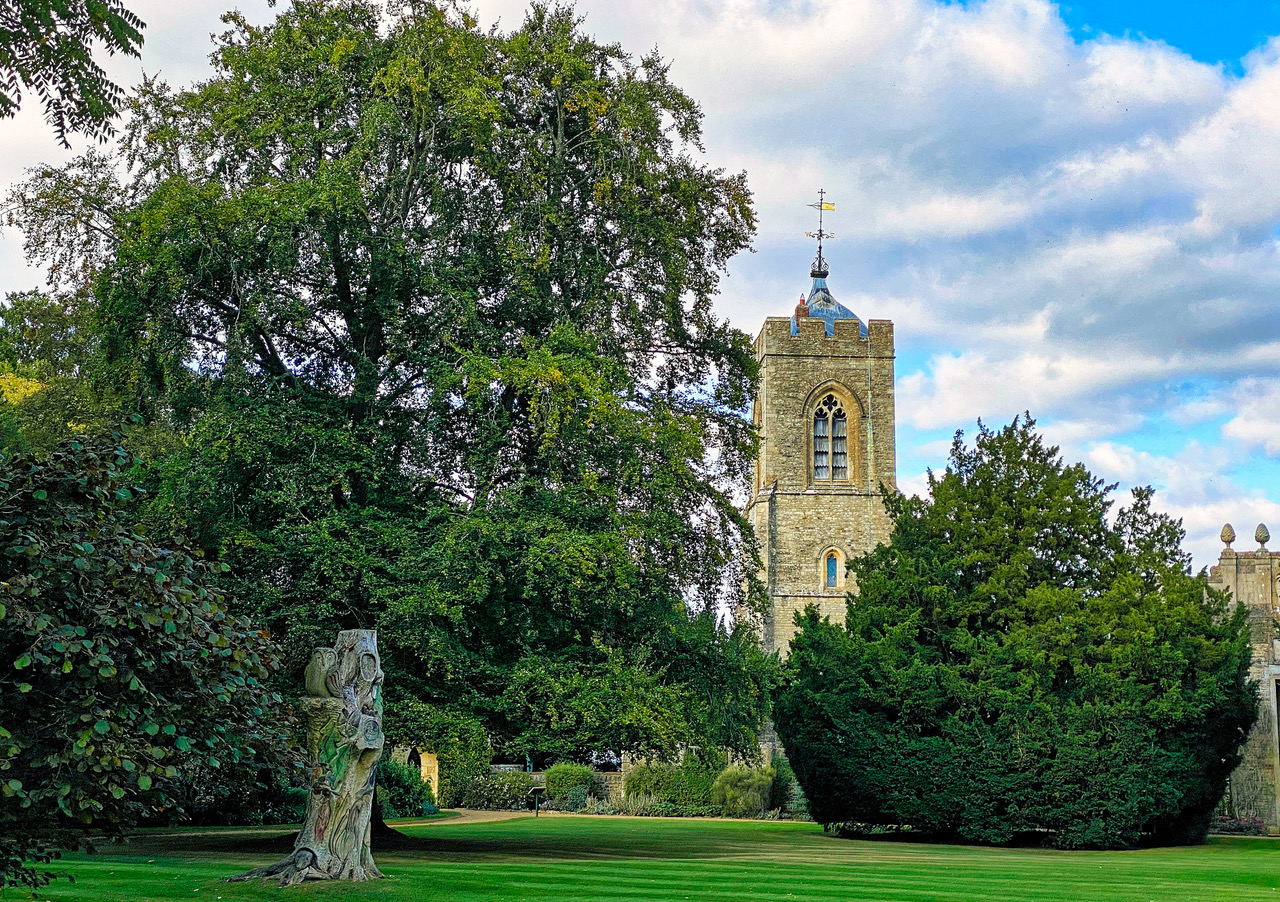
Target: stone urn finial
x,y
1228,535
1262,535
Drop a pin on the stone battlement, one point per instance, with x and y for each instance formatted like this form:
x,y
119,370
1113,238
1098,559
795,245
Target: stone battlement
x,y
776,338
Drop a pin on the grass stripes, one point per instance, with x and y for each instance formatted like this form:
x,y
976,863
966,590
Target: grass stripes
x,y
567,859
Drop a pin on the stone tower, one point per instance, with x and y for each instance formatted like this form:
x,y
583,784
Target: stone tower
x,y
825,413
1253,578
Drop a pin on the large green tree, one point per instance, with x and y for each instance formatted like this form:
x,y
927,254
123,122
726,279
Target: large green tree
x,y
431,309
1016,666
124,674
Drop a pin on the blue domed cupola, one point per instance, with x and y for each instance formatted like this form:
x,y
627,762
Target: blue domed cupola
x,y
822,305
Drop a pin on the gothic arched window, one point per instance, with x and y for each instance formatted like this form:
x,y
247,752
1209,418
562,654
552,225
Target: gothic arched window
x,y
830,440
833,570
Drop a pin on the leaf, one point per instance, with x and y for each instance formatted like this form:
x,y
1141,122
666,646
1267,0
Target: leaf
x,y
102,727
144,782
40,495
24,661
151,729
24,687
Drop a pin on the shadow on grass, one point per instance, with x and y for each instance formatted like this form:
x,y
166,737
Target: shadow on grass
x,y
577,839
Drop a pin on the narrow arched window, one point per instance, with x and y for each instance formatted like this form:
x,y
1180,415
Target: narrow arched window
x,y
821,445
839,445
833,570
830,440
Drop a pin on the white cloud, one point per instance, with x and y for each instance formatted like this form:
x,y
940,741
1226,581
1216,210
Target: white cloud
x,y
960,388
1256,423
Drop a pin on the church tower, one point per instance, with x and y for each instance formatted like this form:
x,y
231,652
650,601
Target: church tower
x,y
825,414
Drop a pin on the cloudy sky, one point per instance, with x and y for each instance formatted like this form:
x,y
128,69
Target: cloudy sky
x,y
1071,209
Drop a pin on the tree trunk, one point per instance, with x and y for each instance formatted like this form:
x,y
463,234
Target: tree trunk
x,y
342,712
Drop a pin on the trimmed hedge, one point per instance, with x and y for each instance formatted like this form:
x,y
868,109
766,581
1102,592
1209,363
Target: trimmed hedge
x,y
686,784
498,792
564,778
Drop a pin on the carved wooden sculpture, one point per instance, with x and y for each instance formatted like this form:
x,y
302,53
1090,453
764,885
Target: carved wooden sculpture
x,y
343,715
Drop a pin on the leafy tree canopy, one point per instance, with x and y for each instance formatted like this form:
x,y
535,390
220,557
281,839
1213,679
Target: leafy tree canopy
x,y
430,309
47,46
1016,666
124,669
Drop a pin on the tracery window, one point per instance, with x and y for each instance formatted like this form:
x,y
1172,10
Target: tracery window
x,y
830,440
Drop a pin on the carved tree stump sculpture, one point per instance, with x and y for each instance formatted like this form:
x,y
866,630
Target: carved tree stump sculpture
x,y
342,712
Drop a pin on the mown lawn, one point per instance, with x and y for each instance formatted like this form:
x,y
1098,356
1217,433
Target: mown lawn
x,y
641,859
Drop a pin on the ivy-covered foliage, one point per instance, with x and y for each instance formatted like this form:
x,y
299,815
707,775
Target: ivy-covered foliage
x,y
1015,666
122,669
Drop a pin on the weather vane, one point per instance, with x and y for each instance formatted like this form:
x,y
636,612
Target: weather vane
x,y
819,269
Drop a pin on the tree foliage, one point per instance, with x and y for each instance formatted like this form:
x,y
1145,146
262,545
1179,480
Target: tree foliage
x,y
430,309
1015,665
124,670
47,46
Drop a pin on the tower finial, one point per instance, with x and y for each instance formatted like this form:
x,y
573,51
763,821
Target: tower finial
x,y
819,270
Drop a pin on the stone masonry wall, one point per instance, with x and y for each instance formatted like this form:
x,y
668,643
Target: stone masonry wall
x,y
797,518
1253,578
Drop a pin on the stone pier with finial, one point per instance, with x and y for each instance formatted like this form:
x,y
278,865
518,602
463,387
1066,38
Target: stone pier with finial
x,y
1253,579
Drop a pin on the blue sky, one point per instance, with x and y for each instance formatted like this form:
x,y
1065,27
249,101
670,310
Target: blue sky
x,y
1211,32
1069,209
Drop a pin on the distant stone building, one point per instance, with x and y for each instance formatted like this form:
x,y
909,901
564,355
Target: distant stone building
x,y
1253,578
825,412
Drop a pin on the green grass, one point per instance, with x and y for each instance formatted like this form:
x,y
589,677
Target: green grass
x,y
640,859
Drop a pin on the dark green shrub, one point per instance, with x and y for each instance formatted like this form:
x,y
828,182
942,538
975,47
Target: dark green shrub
x,y
785,794
564,778
743,791
575,798
499,792
402,792
1020,666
